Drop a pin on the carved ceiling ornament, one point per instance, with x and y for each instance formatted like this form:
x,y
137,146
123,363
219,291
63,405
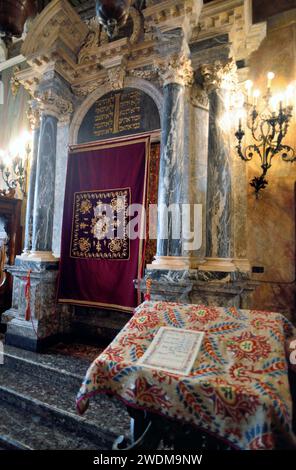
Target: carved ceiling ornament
x,y
219,75
175,69
55,105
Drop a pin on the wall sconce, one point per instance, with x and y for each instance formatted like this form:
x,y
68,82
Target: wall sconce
x,y
14,166
269,124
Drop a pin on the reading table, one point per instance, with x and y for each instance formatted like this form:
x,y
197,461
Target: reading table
x,y
237,389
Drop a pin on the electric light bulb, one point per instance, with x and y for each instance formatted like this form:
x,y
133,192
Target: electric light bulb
x,y
270,75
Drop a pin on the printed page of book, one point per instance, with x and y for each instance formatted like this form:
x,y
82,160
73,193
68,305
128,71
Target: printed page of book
x,y
173,350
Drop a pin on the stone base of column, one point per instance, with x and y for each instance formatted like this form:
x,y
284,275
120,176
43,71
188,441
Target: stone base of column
x,y
38,256
225,265
49,321
222,289
174,263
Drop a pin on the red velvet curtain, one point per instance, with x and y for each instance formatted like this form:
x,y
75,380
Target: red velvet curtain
x,y
97,269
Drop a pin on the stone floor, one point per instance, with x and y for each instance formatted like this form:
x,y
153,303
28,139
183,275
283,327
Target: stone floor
x,y
37,403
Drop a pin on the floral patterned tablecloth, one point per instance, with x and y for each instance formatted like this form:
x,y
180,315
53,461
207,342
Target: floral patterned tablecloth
x,y
238,389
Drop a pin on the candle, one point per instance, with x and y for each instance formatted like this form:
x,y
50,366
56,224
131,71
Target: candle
x,y
248,86
289,95
256,95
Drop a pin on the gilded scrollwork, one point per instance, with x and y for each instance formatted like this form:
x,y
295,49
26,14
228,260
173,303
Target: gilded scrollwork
x,y
137,25
94,40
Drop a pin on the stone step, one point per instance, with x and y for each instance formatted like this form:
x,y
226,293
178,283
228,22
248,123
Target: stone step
x,y
7,443
22,427
57,374
45,387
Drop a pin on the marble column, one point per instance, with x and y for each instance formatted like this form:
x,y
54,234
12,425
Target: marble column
x,y
45,185
217,81
34,118
48,321
174,177
219,217
60,183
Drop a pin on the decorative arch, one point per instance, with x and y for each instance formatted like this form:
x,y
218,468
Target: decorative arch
x,y
129,82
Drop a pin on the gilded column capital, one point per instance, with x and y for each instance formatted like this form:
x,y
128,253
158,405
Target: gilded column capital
x,y
175,69
55,105
219,75
34,114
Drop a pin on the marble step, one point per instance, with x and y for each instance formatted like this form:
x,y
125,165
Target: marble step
x,y
59,373
59,387
23,429
8,443
55,364
47,386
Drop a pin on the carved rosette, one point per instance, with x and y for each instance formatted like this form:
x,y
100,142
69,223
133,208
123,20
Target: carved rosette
x,y
219,75
175,69
55,105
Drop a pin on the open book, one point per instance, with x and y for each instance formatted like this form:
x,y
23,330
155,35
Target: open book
x,y
173,350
